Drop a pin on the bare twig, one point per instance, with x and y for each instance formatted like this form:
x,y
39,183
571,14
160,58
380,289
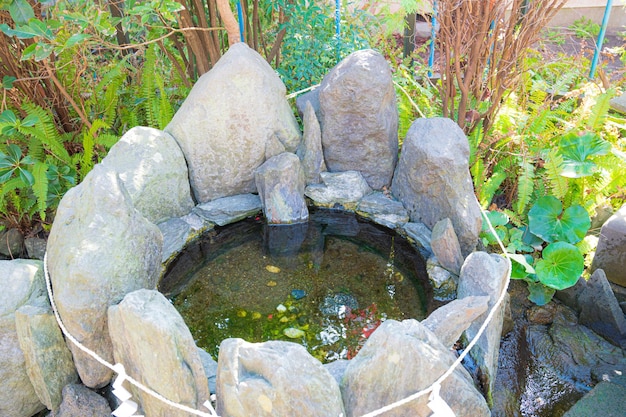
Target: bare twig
x,y
482,45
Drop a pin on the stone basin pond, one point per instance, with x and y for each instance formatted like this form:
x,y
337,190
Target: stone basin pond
x,y
326,284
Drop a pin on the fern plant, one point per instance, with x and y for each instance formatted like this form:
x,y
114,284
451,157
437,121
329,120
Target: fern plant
x,y
33,146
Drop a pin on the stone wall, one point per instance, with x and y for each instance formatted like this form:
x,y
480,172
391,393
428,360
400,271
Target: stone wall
x,y
232,147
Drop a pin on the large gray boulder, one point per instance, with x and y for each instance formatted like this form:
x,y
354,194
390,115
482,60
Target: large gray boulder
x,y
359,118
100,249
400,359
433,181
232,114
611,251
485,274
22,284
280,181
48,360
155,346
153,170
274,378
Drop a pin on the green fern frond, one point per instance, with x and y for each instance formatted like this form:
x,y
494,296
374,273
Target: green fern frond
x,y
40,187
490,187
36,149
475,139
148,88
525,186
12,184
477,170
86,160
553,167
514,218
45,131
599,111
107,140
166,112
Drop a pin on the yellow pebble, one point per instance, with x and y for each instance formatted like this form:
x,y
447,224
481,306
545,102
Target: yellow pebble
x,y
271,283
265,403
242,313
273,269
256,315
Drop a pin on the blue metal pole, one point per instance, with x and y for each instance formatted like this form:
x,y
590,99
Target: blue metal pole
x,y
240,16
338,27
433,33
605,23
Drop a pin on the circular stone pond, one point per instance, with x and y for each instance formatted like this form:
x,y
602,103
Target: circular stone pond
x,y
326,284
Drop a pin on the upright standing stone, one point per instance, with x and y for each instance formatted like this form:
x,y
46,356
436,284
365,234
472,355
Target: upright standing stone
x,y
400,359
310,151
100,248
433,181
153,170
359,118
48,360
232,114
280,181
485,274
600,311
22,283
446,247
611,251
274,378
155,346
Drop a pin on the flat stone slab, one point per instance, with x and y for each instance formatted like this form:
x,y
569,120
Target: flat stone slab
x,y
180,230
227,210
421,234
619,103
606,399
345,188
383,210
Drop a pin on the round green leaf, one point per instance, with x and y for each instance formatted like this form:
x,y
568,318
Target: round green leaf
x,y
539,293
7,82
561,266
577,150
547,220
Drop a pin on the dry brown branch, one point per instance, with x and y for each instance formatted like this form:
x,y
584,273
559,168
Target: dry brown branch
x,y
482,46
232,28
65,94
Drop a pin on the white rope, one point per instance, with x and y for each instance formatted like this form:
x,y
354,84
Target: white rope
x,y
437,384
436,403
126,407
304,90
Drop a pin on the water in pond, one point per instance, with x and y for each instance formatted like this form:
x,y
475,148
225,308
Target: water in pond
x,y
326,284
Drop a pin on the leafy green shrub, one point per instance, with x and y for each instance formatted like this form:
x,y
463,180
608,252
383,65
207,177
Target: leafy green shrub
x,y
544,252
585,28
310,47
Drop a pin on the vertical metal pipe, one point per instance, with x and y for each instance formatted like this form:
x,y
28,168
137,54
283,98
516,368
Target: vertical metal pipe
x,y
338,28
240,16
605,23
433,33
